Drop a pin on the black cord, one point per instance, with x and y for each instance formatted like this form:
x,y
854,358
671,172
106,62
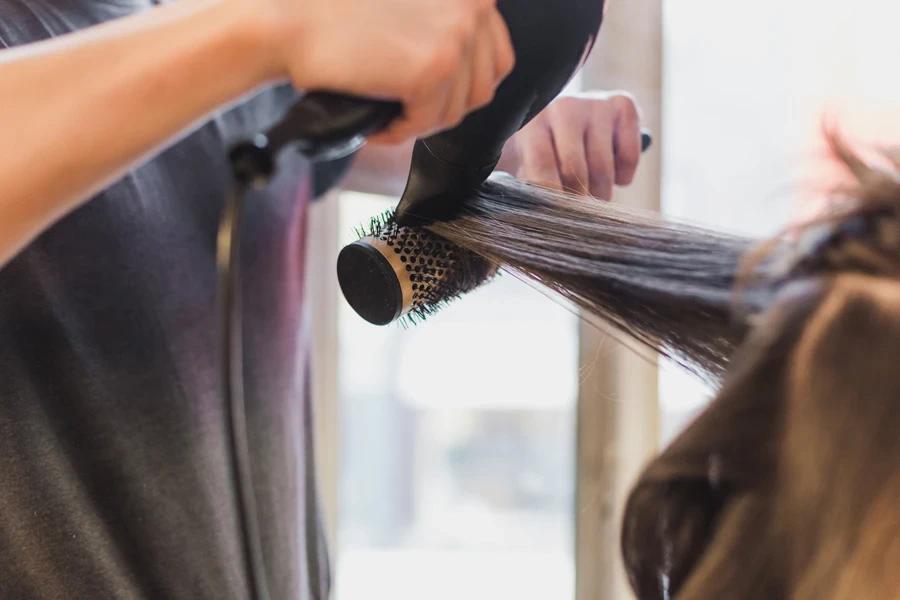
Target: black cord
x,y
321,126
252,165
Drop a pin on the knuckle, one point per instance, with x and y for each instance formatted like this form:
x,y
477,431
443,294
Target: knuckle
x,y
570,178
480,8
416,122
465,26
482,94
391,138
602,170
569,114
565,104
629,156
627,105
544,162
601,180
542,120
548,180
628,161
435,68
569,165
444,60
453,117
507,60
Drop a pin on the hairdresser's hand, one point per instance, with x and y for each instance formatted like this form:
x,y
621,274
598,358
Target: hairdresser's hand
x,y
583,144
441,59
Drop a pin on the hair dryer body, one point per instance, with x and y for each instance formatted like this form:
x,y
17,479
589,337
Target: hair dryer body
x,y
551,40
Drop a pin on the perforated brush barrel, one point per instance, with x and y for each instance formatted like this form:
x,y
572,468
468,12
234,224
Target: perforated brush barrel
x,y
397,272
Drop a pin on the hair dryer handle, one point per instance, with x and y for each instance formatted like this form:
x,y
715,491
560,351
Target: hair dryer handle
x,y
326,126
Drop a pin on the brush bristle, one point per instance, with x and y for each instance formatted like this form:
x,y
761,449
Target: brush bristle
x,y
439,270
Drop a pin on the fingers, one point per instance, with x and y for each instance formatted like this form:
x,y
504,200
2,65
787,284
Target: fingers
x,y
457,80
595,141
537,162
420,118
504,57
627,141
572,163
484,68
600,157
459,99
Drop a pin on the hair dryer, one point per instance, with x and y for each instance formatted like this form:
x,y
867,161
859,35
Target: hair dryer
x,y
551,39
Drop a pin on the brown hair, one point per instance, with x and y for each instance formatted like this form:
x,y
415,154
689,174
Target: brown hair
x,y
666,284
787,484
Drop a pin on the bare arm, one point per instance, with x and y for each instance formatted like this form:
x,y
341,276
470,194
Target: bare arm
x,y
79,110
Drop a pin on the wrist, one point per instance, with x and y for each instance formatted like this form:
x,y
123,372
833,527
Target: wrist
x,y
284,32
252,29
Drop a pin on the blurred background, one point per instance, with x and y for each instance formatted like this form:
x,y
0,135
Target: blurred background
x,y
485,454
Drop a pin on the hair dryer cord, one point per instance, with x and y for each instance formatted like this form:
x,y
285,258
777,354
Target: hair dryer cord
x,y
228,243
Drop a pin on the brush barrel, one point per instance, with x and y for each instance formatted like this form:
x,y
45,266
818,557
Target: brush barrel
x,y
374,281
401,272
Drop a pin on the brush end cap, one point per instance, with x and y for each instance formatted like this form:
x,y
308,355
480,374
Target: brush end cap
x,y
369,283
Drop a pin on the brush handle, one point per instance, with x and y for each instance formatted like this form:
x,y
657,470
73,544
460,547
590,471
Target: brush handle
x,y
646,140
325,125
328,125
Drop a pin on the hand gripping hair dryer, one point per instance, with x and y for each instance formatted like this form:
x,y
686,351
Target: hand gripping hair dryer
x,y
551,39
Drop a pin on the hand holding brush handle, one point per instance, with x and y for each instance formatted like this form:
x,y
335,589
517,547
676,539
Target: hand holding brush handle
x,y
584,144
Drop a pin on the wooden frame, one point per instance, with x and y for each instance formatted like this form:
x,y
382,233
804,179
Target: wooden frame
x,y
618,405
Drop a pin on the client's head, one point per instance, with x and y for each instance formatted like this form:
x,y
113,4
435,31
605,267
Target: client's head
x,y
787,485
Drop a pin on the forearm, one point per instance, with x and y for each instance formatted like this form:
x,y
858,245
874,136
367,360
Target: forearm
x,y
80,110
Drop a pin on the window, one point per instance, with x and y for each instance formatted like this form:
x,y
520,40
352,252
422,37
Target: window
x,y
746,88
731,133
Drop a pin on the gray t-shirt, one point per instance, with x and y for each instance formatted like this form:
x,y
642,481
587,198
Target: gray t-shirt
x,y
115,479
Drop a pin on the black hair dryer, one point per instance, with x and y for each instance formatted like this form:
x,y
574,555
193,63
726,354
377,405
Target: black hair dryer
x,y
551,39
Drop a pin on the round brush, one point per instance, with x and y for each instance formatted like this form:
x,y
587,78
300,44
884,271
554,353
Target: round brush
x,y
406,272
